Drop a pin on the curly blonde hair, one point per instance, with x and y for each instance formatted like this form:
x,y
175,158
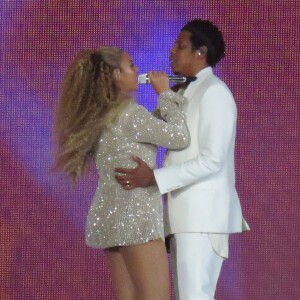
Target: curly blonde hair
x,y
88,96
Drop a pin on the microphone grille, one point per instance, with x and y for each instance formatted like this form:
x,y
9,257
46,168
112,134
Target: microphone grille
x,y
143,78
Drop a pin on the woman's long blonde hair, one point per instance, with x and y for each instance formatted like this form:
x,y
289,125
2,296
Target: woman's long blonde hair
x,y
88,94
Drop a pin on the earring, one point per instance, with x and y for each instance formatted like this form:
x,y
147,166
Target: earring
x,y
199,53
117,74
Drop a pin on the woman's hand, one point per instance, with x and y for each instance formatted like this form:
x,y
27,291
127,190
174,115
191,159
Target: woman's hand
x,y
159,81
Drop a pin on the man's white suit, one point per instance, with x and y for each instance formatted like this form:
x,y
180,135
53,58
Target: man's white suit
x,y
202,205
200,179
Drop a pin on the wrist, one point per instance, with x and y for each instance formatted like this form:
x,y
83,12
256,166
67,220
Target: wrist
x,y
153,180
163,90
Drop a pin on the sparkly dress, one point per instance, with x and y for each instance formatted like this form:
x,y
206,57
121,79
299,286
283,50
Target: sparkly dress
x,y
118,217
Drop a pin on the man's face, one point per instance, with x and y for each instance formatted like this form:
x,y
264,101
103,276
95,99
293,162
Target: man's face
x,y
183,59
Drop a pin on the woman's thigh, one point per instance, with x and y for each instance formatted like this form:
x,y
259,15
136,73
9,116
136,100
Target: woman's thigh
x,y
147,265
120,276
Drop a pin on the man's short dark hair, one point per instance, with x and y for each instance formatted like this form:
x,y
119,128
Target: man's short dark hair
x,y
205,33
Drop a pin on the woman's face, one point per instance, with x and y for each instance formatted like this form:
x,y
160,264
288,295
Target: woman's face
x,y
127,79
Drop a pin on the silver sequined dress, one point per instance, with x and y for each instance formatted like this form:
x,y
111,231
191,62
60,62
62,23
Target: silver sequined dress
x,y
118,217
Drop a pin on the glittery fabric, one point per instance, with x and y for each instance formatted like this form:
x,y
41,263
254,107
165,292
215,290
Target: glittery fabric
x,y
118,217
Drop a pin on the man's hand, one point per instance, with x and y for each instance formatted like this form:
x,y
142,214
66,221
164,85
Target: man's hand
x,y
141,176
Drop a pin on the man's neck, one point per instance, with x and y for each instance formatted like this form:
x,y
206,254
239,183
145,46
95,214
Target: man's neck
x,y
202,67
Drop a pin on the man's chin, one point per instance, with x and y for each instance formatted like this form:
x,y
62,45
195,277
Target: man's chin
x,y
176,72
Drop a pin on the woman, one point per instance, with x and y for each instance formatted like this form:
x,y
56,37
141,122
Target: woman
x,y
98,118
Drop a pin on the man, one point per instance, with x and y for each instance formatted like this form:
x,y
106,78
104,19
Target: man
x,y
202,205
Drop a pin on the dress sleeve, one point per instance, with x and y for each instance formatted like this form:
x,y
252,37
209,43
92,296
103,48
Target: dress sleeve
x,y
171,131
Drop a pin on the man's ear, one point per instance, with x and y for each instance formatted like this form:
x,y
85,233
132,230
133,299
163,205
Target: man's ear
x,y
202,51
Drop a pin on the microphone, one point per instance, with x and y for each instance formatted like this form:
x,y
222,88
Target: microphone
x,y
143,78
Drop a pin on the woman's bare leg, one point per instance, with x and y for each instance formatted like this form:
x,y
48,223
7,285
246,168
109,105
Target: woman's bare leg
x,y
147,265
122,282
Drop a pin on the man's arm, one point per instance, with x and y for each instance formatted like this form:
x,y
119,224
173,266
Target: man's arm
x,y
215,136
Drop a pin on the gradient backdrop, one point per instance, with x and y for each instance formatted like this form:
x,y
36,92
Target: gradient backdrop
x,y
42,220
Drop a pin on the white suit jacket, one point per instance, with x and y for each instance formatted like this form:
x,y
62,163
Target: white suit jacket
x,y
200,180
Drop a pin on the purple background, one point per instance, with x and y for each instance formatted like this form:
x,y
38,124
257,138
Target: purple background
x,y
42,220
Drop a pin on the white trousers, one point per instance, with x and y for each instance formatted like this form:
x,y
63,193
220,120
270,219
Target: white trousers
x,y
196,266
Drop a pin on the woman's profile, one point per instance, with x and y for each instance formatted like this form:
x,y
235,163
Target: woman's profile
x,y
98,120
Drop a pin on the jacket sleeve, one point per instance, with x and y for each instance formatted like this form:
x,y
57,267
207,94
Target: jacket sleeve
x,y
216,135
170,131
